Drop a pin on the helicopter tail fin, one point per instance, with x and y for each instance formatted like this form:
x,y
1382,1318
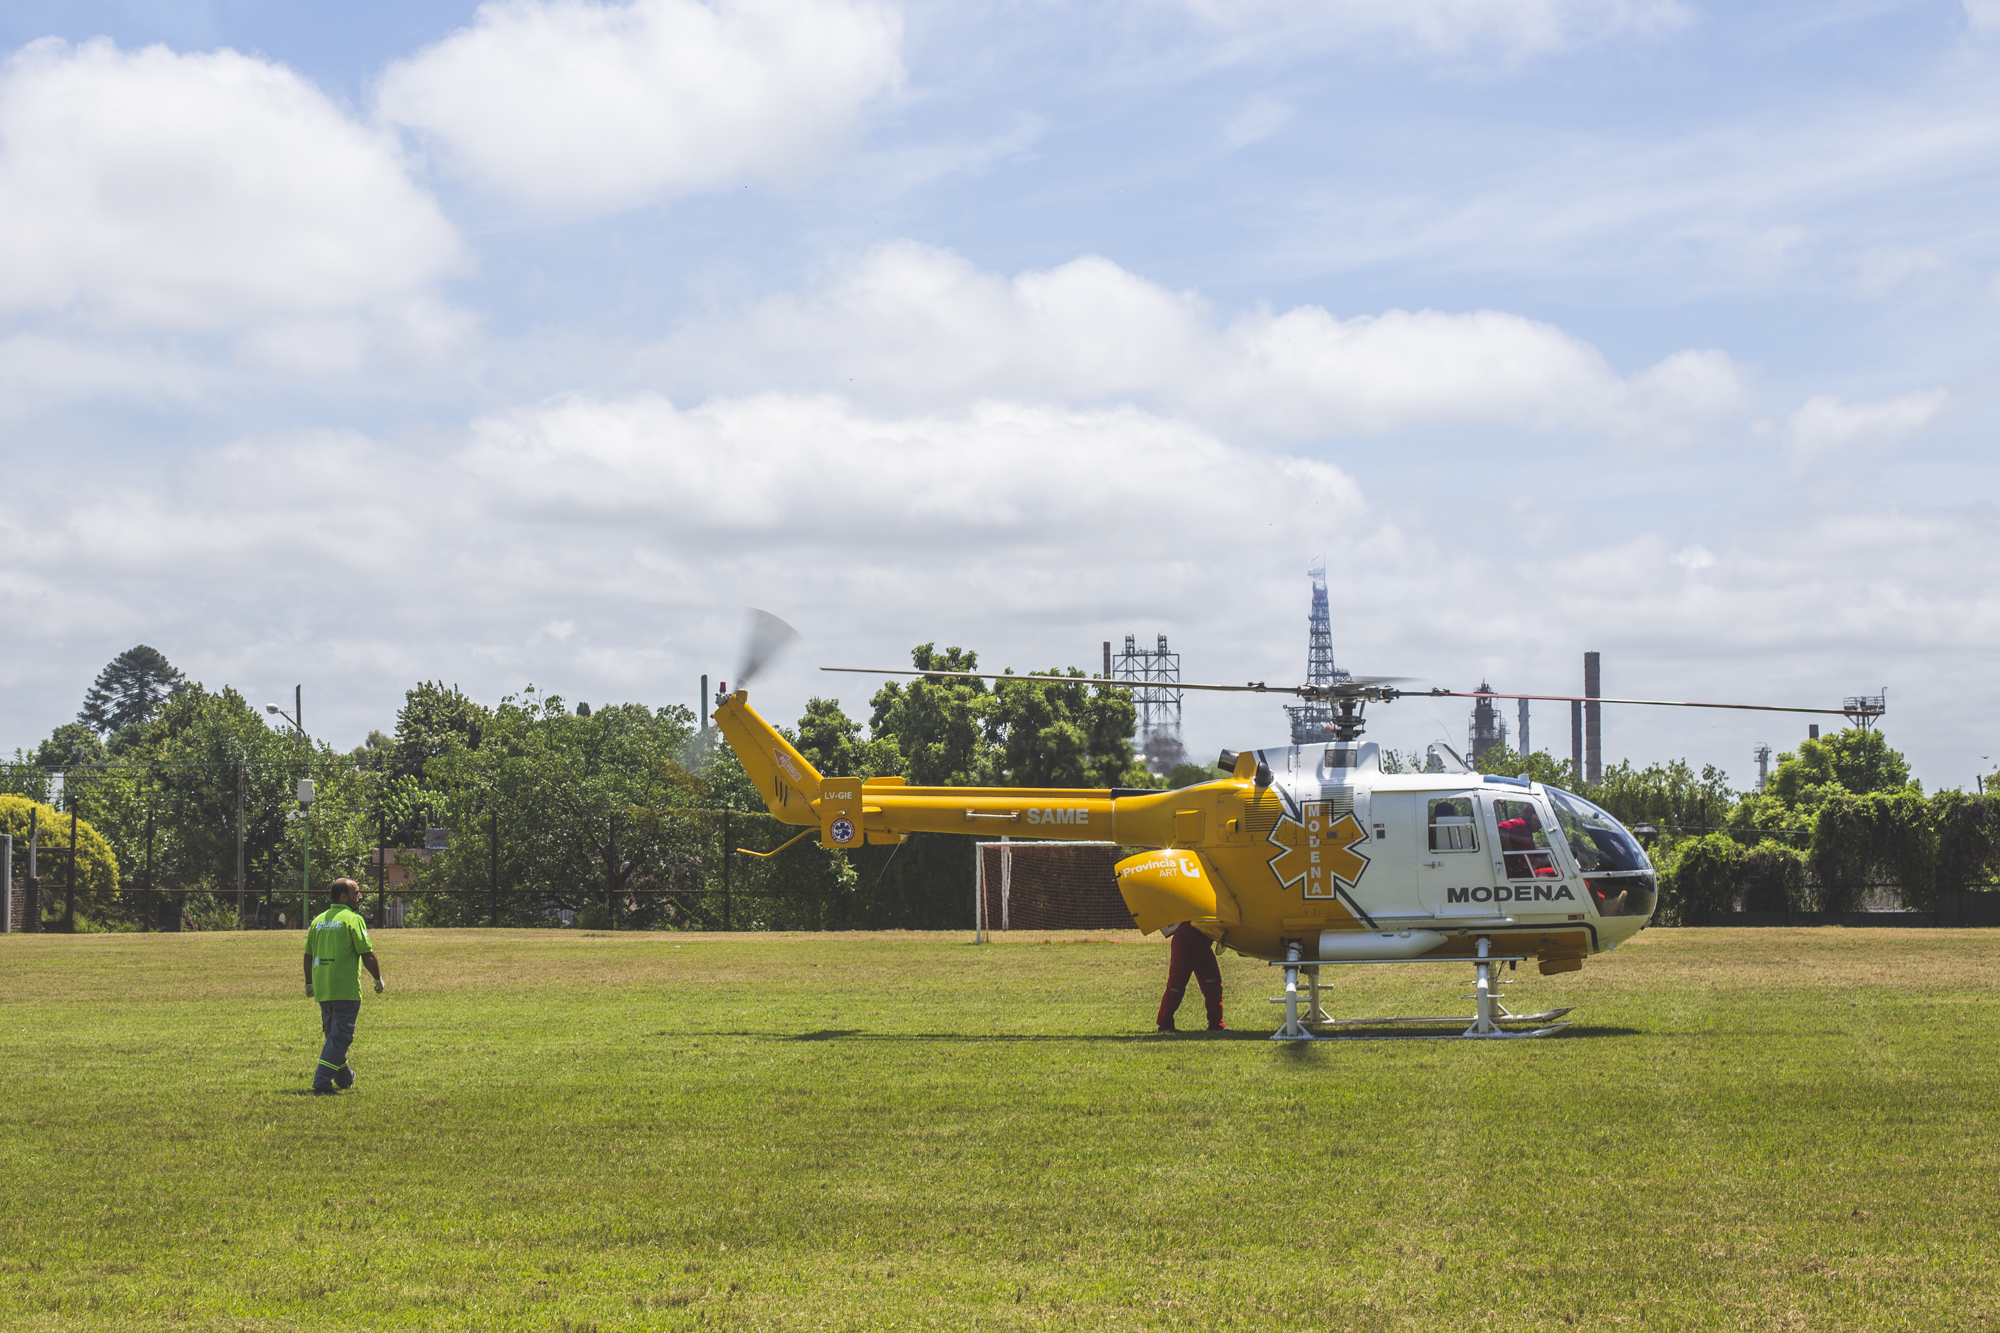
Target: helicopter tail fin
x,y
788,784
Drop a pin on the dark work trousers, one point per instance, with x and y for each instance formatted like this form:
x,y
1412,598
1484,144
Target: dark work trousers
x,y
1192,954
336,1019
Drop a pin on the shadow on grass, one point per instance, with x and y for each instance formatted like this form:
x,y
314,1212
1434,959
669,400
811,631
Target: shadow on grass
x,y
1124,1038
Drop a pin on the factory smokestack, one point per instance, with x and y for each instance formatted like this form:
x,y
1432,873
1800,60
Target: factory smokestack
x,y
1593,723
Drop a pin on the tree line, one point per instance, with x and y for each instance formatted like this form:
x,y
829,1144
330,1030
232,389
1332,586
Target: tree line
x,y
628,816
620,816
1840,818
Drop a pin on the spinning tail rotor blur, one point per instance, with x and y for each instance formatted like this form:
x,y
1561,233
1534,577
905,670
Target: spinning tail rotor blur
x,y
766,637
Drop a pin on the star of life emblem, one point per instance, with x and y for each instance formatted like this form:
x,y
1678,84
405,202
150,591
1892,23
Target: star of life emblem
x,y
843,830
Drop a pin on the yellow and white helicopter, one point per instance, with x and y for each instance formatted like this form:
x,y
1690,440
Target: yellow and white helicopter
x,y
1305,855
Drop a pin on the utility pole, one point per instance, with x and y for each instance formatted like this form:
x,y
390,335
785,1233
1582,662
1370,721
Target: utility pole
x,y
152,898
239,841
728,856
381,870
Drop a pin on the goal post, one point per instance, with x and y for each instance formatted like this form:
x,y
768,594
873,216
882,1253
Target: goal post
x,y
1047,886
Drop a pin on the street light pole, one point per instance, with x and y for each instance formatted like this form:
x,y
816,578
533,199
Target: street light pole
x,y
297,722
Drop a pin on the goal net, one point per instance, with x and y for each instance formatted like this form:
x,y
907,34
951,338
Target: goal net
x,y
1049,886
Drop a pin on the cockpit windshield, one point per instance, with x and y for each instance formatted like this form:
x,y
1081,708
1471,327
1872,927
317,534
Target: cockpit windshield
x,y
1615,867
1600,842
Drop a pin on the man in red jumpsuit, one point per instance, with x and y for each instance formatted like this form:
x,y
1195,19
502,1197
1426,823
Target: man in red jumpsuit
x,y
1191,956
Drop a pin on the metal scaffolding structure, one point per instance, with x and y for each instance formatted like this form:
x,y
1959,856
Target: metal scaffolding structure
x,y
1152,674
1864,710
1313,722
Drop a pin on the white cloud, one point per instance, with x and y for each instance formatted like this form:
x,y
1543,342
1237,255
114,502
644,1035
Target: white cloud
x,y
575,108
156,190
1514,27
608,530
37,370
1825,425
606,546
912,326
1982,15
1884,268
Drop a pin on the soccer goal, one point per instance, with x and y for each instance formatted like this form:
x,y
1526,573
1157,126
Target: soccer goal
x,y
1048,886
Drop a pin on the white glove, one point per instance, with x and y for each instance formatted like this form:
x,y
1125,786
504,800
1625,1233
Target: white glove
x,y
378,985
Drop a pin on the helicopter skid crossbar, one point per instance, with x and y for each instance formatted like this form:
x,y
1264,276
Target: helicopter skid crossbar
x,y
1488,1017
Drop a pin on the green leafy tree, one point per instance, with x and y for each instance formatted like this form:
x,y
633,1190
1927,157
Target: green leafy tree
x,y
129,690
377,754
1850,801
938,725
190,756
1190,775
729,786
831,742
70,745
1540,766
1853,762
1071,733
1672,796
434,721
575,813
1967,829
96,863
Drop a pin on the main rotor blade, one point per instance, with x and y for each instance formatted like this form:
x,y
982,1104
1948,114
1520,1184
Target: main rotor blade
x,y
1651,703
1254,687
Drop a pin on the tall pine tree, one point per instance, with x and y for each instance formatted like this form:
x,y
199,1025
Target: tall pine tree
x,y
129,689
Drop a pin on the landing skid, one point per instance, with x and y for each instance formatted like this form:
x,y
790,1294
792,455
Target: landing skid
x,y
1489,1018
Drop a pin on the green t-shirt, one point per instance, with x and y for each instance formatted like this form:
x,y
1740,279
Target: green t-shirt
x,y
336,940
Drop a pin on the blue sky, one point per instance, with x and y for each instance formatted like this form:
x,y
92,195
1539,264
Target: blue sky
x,y
529,343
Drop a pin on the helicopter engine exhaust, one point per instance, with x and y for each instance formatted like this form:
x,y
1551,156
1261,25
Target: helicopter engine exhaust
x,y
1350,944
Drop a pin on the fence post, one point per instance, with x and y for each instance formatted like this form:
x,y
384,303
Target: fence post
x,y
31,910
69,908
493,883
7,882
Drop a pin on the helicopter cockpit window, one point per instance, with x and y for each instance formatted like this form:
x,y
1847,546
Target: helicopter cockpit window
x,y
1524,843
1451,825
1614,865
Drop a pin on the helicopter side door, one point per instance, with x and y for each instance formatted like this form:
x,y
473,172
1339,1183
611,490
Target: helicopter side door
x,y
1452,853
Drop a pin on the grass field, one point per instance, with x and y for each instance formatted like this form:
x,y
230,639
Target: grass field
x,y
1748,1129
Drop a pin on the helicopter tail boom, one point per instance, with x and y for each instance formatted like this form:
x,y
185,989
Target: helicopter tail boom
x,y
788,784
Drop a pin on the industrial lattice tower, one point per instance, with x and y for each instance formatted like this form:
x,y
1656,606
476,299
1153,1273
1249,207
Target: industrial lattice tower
x,y
1313,722
1152,674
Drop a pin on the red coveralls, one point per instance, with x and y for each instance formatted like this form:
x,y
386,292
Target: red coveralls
x,y
1192,954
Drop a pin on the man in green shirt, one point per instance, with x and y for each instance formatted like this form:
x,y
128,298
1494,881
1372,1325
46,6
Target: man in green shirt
x,y
336,946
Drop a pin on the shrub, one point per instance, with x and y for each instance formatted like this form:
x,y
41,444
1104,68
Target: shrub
x,y
1701,880
1772,878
